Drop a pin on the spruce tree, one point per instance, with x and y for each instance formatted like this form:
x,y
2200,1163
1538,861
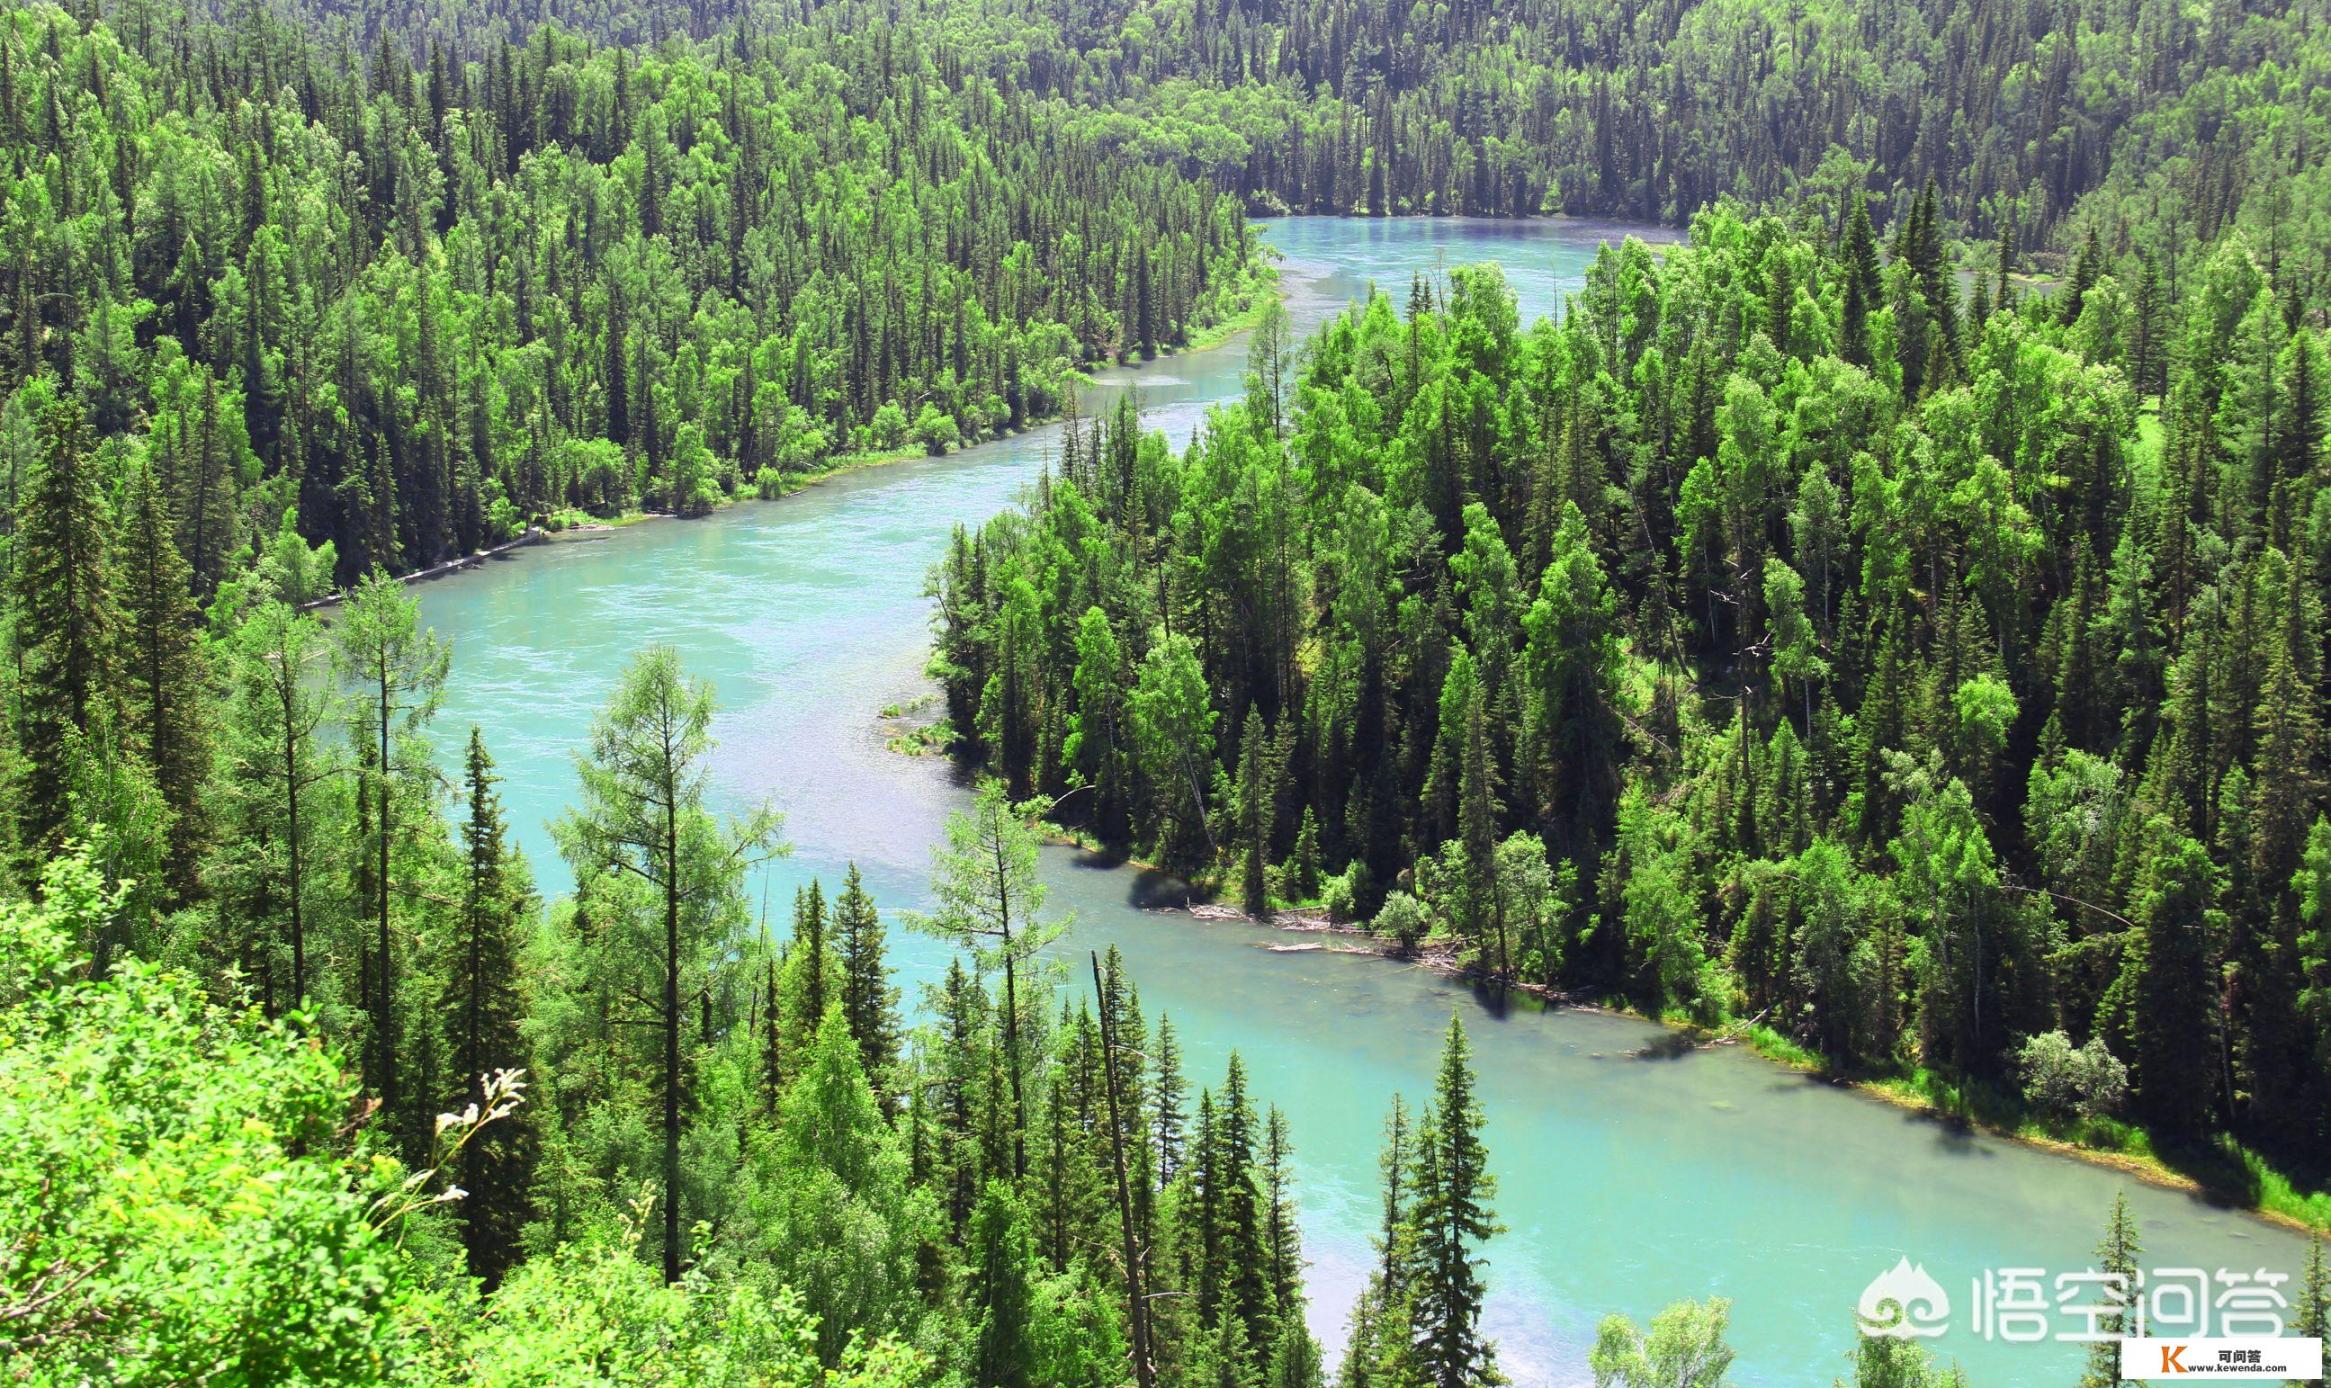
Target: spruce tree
x,y
66,622
2166,991
2117,1255
1453,1219
1168,1095
1002,1266
481,1001
168,678
869,1002
1861,285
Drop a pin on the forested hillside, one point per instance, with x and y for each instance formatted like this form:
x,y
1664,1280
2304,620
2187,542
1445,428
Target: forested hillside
x,y
2017,112
418,307
1783,634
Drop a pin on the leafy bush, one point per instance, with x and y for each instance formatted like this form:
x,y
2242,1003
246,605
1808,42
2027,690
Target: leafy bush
x,y
1404,918
2072,1081
158,1226
936,430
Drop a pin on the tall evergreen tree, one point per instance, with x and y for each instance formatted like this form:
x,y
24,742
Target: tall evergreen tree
x,y
395,671
1453,1219
168,677
485,1012
869,1002
66,621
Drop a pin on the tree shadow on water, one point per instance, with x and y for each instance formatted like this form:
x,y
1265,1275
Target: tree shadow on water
x,y
1668,1045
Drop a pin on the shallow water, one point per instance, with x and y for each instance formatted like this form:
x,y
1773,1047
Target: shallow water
x,y
1625,1182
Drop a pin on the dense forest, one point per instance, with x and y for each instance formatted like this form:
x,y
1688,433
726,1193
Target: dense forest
x,y
416,308
2016,112
1814,629
1782,634
729,1160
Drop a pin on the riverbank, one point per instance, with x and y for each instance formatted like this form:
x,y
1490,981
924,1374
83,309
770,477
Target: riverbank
x,y
1205,339
533,534
2222,1172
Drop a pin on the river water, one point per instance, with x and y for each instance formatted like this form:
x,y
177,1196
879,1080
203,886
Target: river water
x,y
1631,1174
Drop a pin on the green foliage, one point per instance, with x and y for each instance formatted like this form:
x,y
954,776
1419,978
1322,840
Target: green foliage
x,y
179,1197
565,275
1662,651
1452,1220
1882,1362
1684,1348
661,880
1932,676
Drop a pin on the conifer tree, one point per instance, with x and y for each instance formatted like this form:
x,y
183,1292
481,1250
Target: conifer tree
x,y
1861,285
485,1011
2116,1256
66,620
1453,1219
168,677
1002,1264
276,765
869,1002
991,900
643,819
395,672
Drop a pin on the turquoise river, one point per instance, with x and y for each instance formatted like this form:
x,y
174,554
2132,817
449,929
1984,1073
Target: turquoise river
x,y
1631,1172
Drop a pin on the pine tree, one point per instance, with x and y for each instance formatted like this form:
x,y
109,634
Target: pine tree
x,y
275,764
1257,797
811,982
1169,1093
2311,1314
1002,1266
2116,1256
66,622
1861,285
1478,813
482,1002
2166,989
991,900
1380,1351
396,673
168,678
643,819
1243,1219
869,1002
1453,1219
1283,1239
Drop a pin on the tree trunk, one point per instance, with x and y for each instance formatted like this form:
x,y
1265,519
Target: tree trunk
x,y
671,1041
385,996
1137,1305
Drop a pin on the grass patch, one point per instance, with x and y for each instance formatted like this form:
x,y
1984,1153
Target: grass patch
x,y
2219,1167
1215,334
1774,1046
929,740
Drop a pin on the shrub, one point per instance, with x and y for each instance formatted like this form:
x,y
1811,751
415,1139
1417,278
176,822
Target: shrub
x,y
2072,1081
1404,918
